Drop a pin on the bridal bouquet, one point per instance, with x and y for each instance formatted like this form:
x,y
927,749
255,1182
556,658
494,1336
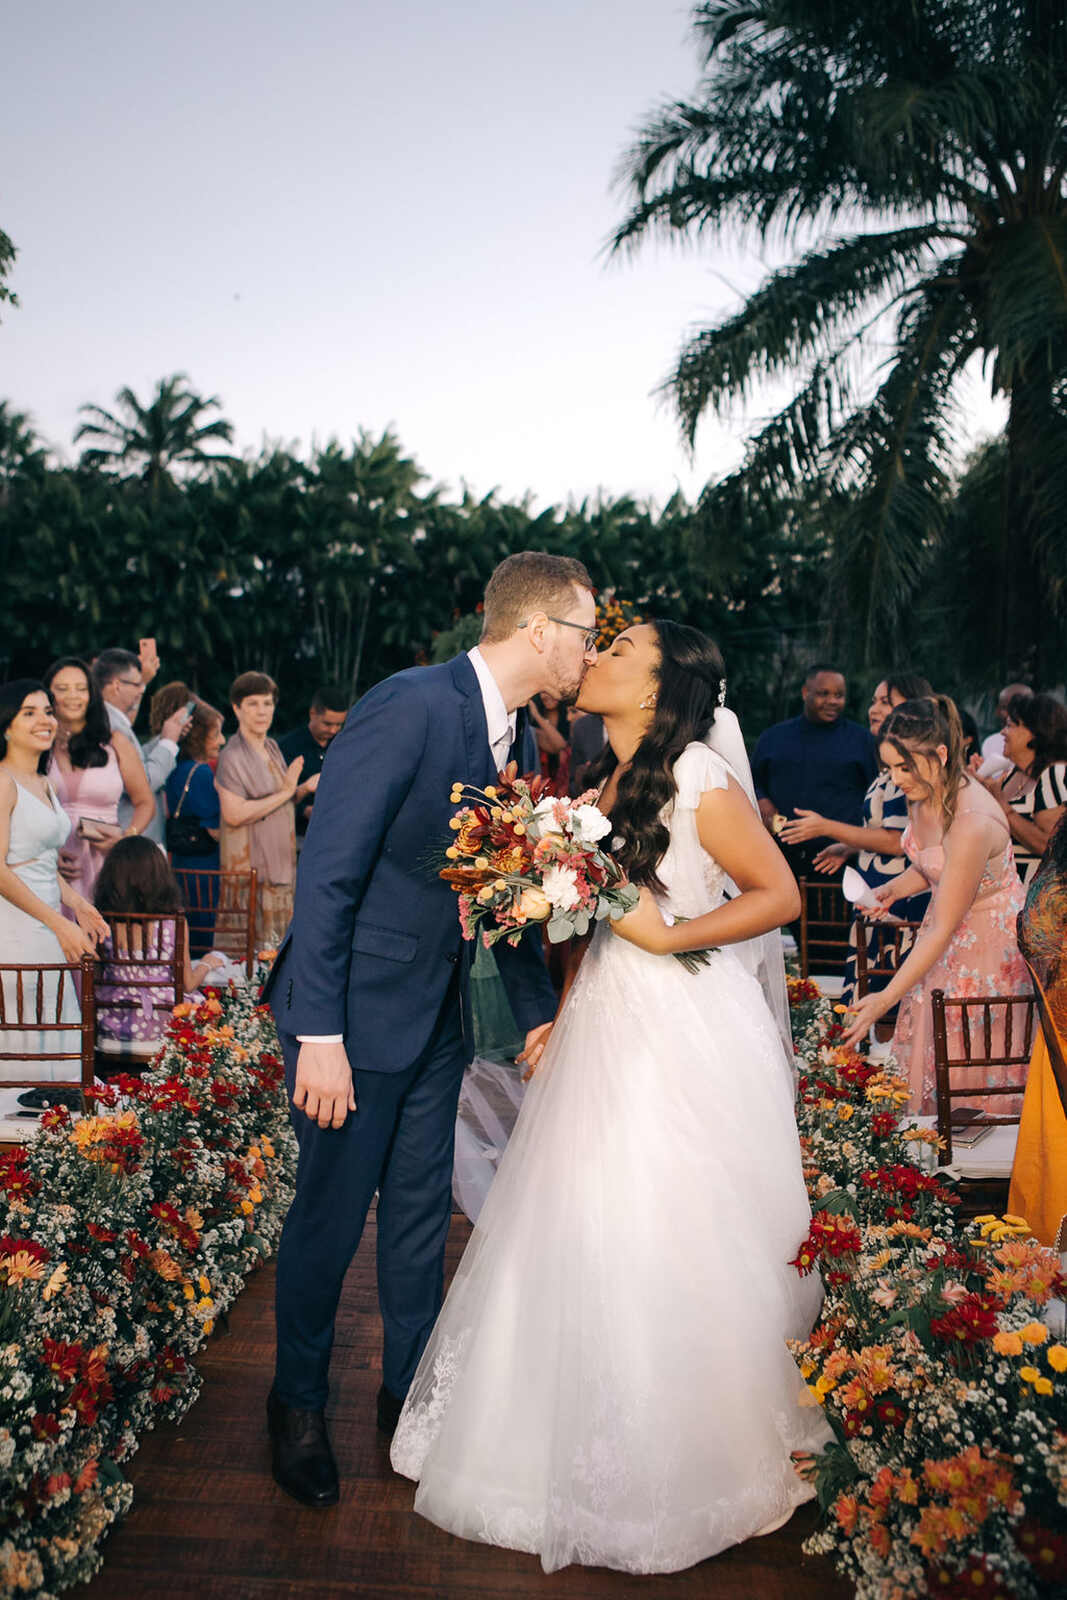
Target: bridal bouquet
x,y
521,855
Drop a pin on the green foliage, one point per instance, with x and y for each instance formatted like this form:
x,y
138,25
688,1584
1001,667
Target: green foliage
x,y
924,144
7,261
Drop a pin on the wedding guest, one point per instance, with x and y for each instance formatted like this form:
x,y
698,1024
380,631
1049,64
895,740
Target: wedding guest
x,y
90,767
588,738
326,718
119,677
959,845
33,929
972,742
257,791
131,1018
876,843
551,726
1039,1174
818,761
1033,791
994,760
193,802
169,715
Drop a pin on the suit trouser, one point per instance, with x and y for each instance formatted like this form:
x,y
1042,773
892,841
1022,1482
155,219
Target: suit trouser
x,y
399,1141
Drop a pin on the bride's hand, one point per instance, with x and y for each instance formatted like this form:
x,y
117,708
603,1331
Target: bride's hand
x,y
534,1049
644,926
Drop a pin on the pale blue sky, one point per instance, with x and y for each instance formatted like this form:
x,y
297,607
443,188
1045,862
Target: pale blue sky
x,y
340,215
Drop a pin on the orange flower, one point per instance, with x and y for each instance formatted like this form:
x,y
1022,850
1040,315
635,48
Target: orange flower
x,y
1007,1344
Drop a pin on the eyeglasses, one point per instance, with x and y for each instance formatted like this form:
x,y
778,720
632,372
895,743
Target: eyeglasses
x,y
591,634
132,683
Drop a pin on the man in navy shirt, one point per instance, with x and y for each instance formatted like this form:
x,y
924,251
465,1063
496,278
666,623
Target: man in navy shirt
x,y
818,760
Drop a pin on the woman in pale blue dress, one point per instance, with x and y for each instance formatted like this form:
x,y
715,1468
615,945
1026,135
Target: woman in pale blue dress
x,y
33,927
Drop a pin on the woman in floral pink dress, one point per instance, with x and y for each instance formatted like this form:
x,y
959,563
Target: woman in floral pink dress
x,y
959,845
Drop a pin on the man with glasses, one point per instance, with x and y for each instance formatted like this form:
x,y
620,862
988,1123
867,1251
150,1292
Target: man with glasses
x,y
118,676
371,991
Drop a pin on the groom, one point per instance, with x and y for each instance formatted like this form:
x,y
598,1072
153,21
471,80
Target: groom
x,y
370,991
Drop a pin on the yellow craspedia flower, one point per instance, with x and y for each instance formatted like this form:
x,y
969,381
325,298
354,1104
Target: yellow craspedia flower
x,y
1029,1374
1057,1357
452,853
455,823
490,791
481,862
1033,1333
1007,1344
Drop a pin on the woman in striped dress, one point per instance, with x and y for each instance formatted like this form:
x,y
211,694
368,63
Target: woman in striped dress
x,y
1034,792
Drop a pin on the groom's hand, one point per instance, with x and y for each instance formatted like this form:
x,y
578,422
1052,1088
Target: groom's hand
x,y
324,1089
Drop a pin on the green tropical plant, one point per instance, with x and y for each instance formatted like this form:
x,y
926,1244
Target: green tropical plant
x,y
169,431
7,261
913,155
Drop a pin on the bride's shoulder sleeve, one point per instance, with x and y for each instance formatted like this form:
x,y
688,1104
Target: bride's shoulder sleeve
x,y
697,770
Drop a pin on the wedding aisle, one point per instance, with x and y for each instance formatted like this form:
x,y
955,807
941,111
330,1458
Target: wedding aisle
x,y
207,1520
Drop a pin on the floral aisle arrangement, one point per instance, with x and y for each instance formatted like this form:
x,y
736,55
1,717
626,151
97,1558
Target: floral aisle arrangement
x,y
933,1357
124,1236
521,855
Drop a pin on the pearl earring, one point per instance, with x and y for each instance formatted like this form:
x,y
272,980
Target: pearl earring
x,y
649,704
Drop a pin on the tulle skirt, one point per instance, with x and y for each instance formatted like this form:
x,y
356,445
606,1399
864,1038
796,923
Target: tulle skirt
x,y
608,1381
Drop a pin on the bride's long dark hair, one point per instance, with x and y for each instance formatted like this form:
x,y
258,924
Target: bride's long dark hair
x,y
688,681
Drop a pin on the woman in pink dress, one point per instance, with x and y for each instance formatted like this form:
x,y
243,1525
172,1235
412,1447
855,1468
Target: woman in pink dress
x,y
959,845
89,769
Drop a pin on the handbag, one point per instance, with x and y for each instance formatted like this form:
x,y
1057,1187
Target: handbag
x,y
187,836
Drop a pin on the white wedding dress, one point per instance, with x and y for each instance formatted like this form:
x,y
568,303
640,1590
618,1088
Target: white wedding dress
x,y
608,1381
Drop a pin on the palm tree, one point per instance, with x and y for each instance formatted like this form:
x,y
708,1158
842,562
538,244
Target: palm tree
x,y
167,432
913,153
7,261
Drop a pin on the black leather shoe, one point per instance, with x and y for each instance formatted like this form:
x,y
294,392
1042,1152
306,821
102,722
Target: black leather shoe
x,y
301,1459
389,1409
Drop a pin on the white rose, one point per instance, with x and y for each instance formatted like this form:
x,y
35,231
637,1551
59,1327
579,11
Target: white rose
x,y
543,819
561,888
588,824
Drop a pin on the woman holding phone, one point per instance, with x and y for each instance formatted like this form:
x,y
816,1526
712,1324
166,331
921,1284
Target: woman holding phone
x,y
90,767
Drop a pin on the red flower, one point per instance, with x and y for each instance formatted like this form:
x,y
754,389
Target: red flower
x,y
883,1123
101,1234
967,1322
45,1426
30,1247
891,1412
84,1402
62,1360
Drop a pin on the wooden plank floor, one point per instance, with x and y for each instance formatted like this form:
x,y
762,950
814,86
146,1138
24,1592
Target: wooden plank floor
x,y
209,1522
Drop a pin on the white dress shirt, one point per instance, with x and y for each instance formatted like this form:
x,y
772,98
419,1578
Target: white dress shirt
x,y
500,725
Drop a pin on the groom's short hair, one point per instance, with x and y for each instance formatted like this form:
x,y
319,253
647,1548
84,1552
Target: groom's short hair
x,y
529,581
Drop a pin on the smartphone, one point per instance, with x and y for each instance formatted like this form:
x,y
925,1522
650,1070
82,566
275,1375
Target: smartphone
x,y
190,706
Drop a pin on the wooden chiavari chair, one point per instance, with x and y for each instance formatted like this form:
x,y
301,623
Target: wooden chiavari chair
x,y
994,1031
34,1029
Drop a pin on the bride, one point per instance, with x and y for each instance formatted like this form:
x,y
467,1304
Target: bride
x,y
608,1381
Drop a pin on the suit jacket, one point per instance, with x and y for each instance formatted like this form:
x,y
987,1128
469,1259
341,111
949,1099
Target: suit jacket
x,y
375,938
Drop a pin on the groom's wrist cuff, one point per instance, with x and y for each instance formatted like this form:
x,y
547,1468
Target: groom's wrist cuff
x,y
320,1038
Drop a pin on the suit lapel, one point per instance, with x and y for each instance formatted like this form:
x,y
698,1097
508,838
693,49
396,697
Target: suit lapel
x,y
480,769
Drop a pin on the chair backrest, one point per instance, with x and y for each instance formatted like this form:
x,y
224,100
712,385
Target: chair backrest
x,y
994,1031
891,942
33,1027
825,919
145,962
222,907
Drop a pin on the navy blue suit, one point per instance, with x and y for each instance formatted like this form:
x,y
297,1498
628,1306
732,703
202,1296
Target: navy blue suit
x,y
375,953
